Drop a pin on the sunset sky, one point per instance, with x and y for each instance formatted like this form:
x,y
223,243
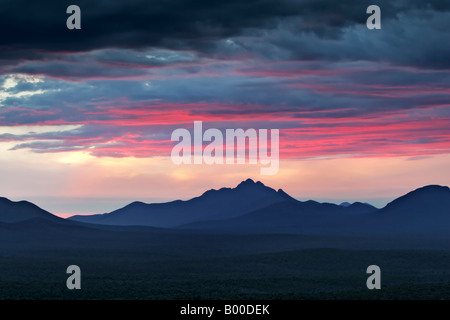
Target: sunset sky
x,y
86,115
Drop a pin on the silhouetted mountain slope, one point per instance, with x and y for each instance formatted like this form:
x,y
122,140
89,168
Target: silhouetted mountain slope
x,y
426,209
253,207
423,211
11,211
212,205
430,200
288,216
360,208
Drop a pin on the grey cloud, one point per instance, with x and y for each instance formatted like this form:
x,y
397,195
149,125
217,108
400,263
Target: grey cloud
x,y
414,32
411,38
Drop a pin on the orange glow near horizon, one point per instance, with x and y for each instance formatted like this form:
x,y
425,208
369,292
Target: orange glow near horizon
x,y
77,175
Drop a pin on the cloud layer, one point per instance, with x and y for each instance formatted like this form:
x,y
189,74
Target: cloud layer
x,y
139,69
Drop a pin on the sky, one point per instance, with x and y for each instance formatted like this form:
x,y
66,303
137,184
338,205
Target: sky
x,y
86,116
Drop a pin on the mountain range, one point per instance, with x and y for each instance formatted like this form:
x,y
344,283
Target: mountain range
x,y
252,207
232,243
11,211
222,204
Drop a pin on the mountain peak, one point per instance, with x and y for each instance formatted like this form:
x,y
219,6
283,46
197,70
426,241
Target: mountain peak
x,y
16,211
247,182
430,190
225,203
250,183
428,198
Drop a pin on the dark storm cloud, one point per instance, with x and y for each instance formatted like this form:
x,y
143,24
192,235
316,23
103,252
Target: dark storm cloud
x,y
132,23
414,38
297,29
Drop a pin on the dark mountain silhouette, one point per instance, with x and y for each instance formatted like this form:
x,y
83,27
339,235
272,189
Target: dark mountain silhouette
x,y
11,211
423,211
432,200
358,207
252,207
426,209
289,217
257,246
220,204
